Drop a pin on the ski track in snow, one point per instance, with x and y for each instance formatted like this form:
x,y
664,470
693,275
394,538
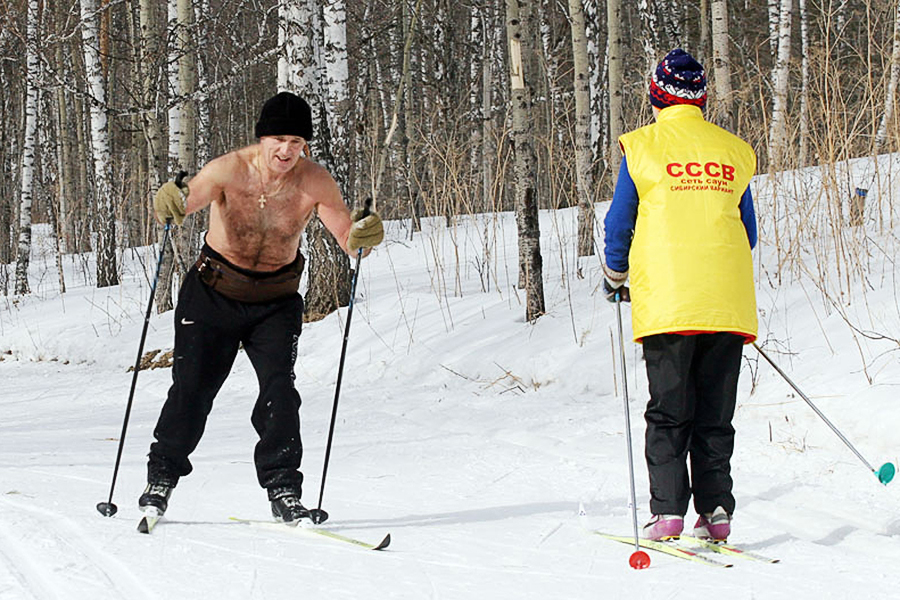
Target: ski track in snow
x,y
82,569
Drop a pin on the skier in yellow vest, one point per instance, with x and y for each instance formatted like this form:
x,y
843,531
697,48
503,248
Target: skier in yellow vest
x,y
680,229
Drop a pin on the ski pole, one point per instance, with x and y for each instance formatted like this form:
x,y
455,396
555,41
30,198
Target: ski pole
x,y
884,474
108,509
317,514
639,559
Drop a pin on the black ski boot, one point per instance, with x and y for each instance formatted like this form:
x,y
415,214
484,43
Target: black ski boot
x,y
286,505
155,498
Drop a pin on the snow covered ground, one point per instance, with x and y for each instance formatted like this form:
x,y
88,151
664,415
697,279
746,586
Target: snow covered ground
x,y
471,436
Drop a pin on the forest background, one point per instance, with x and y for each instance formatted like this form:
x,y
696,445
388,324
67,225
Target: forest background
x,y
433,108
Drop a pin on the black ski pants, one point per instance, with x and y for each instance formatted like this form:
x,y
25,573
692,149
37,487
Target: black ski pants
x,y
693,390
209,329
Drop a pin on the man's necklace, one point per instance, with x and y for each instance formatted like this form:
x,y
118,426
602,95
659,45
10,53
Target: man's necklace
x,y
262,195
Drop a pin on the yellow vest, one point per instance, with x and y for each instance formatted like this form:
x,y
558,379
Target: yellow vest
x,y
689,264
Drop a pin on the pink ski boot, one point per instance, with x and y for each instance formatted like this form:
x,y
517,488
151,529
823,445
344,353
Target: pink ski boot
x,y
664,527
715,526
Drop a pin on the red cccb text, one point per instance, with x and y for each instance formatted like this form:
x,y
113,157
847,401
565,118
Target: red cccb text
x,y
695,169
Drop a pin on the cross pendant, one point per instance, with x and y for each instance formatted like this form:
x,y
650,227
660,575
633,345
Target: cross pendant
x,y
262,200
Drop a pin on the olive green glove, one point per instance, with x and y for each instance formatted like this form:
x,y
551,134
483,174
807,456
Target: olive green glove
x,y
169,202
366,231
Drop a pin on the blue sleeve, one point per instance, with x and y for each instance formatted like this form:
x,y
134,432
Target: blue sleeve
x,y
620,220
748,217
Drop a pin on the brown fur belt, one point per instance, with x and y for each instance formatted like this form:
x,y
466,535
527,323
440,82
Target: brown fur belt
x,y
254,289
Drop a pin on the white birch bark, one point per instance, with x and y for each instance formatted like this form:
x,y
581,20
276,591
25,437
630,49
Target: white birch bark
x,y
182,84
724,102
204,143
175,113
104,247
773,11
596,74
778,130
336,79
330,265
890,99
804,82
297,61
649,32
584,158
314,64
28,148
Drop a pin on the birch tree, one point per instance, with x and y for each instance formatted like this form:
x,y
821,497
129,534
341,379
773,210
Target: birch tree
x,y
583,156
329,265
774,14
523,72
724,101
890,99
105,223
780,76
703,50
308,37
598,77
616,61
804,79
182,83
32,102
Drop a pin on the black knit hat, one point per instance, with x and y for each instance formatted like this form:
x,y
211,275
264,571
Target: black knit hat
x,y
285,114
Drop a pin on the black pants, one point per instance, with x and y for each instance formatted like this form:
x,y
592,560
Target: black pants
x,y
693,390
209,329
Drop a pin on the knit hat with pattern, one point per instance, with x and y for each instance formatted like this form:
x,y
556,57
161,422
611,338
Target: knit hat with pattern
x,y
678,79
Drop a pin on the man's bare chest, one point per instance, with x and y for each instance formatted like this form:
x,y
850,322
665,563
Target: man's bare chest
x,y
254,212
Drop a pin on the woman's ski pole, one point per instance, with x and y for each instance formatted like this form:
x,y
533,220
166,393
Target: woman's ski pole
x,y
639,559
884,474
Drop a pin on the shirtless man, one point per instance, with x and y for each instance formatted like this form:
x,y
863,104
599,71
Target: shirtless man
x,y
243,290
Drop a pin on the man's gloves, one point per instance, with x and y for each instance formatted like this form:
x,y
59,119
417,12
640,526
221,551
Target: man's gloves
x,y
169,202
366,231
614,283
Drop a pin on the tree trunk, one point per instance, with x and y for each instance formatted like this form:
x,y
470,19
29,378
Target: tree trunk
x,y
32,101
616,63
583,156
105,222
307,37
704,48
724,103
410,174
778,132
804,79
890,103
774,20
329,266
182,145
523,71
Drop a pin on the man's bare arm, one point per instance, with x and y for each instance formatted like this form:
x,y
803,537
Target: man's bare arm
x,y
206,186
331,208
